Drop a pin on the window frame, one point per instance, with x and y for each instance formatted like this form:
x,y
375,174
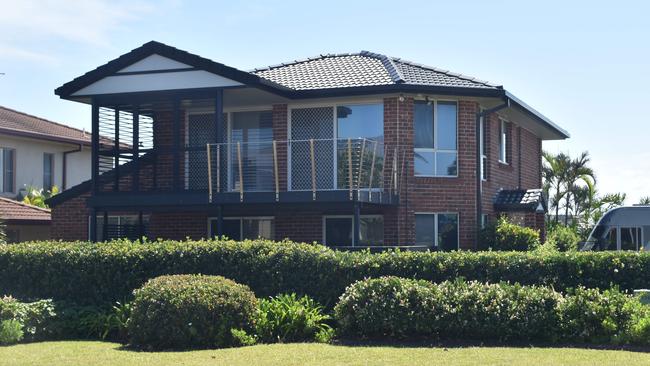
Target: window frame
x,y
483,148
241,224
51,177
351,217
334,106
437,233
435,150
503,141
3,169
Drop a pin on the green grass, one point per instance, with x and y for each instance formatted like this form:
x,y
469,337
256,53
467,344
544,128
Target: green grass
x,y
111,354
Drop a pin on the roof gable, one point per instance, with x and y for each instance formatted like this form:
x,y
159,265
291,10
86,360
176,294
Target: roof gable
x,y
130,71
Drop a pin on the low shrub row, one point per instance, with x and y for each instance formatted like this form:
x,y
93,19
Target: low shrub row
x,y
392,307
100,274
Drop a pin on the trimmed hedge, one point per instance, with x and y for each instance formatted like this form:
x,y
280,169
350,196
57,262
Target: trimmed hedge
x,y
87,273
393,307
190,311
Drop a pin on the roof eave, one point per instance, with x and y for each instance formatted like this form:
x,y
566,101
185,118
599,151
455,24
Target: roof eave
x,y
537,116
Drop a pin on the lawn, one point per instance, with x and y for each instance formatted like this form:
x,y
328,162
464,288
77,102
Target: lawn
x,y
110,354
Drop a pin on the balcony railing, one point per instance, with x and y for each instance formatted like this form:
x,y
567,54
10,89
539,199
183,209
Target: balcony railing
x,y
313,165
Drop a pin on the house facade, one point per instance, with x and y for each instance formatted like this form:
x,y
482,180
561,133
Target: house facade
x,y
39,153
350,150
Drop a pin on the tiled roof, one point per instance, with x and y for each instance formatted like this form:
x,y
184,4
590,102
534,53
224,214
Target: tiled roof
x,y
519,200
23,124
18,211
362,69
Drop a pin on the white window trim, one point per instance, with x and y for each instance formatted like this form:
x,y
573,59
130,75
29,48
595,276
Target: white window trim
x,y
334,106
435,134
351,217
436,244
503,141
241,226
2,170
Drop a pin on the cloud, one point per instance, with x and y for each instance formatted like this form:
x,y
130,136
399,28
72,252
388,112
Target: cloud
x,y
26,23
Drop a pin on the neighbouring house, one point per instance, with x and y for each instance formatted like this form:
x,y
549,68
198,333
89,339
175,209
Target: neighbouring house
x,y
40,153
351,150
23,222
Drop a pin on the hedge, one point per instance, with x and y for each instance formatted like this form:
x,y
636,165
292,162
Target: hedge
x,y
393,307
87,273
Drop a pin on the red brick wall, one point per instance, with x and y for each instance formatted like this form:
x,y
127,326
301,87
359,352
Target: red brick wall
x,y
70,219
178,225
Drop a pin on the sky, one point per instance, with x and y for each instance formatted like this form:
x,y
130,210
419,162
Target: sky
x,y
584,64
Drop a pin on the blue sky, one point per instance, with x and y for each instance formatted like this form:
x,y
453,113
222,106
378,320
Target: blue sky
x,y
584,64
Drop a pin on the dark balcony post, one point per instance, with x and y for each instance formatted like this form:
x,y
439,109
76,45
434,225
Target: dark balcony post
x,y
218,115
356,225
95,146
116,155
136,149
176,175
219,221
140,226
105,227
92,236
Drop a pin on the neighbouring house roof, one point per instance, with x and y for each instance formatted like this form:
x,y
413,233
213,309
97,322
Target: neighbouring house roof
x,y
14,211
17,123
363,69
519,200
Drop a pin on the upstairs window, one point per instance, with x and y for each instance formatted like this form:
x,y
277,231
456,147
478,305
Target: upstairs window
x,y
7,170
48,171
503,141
435,139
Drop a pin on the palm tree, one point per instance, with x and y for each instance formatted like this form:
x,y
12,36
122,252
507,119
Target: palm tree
x,y
577,175
554,173
644,200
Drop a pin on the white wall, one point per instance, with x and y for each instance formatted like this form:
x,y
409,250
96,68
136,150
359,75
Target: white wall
x,y
29,162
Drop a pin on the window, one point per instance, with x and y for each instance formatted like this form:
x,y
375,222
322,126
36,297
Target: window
x,y
435,139
483,150
484,221
7,170
254,132
48,171
338,231
439,230
243,228
356,122
630,238
503,142
119,226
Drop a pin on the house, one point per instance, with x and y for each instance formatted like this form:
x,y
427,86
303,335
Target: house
x,y
351,150
40,153
23,222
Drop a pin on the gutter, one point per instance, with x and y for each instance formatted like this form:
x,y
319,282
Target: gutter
x,y
479,180
64,176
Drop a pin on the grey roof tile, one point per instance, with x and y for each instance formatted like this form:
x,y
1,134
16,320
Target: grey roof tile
x,y
362,69
519,199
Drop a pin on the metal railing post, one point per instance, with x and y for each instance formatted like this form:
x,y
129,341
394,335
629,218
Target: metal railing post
x,y
372,171
351,183
363,151
313,170
241,173
275,170
209,173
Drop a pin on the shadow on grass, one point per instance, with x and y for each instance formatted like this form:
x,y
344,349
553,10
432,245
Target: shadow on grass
x,y
429,343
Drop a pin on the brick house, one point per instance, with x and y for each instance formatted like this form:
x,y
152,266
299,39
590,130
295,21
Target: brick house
x,y
351,150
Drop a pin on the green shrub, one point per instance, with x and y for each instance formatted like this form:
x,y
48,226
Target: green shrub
x,y
594,316
11,331
509,236
100,274
36,317
564,238
288,318
392,307
190,311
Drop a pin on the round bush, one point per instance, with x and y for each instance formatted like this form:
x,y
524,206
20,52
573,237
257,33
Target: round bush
x,y
564,238
397,308
190,311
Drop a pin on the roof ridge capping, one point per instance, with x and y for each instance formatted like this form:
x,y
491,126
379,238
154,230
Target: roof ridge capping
x,y
388,63
447,72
